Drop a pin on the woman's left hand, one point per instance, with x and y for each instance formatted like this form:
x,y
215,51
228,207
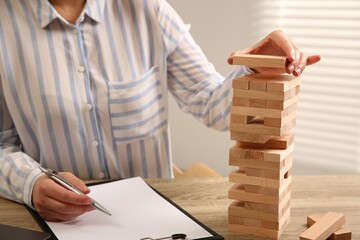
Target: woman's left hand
x,y
277,43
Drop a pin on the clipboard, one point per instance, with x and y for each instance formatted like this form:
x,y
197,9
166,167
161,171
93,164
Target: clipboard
x,y
16,233
211,235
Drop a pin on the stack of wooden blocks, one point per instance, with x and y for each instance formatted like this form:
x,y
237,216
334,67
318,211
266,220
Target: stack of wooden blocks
x,y
262,115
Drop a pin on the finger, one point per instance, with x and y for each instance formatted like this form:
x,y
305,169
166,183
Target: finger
x,y
49,206
286,44
77,182
313,59
62,194
301,66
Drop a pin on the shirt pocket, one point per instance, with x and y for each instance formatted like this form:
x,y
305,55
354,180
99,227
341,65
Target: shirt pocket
x,y
137,107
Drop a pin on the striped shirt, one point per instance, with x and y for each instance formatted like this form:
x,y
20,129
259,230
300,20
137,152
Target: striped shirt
x,y
91,97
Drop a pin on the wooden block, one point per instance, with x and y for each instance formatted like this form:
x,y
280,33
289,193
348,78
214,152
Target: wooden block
x,y
274,82
259,85
240,101
234,160
340,234
285,83
265,230
240,176
246,153
237,192
278,209
270,155
323,228
237,176
242,119
238,208
249,137
245,221
254,60
257,127
271,104
280,122
262,232
276,96
274,155
282,142
257,103
263,112
240,83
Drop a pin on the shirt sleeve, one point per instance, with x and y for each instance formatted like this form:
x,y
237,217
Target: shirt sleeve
x,y
18,172
193,81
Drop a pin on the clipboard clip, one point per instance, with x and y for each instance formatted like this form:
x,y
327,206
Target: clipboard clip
x,y
175,236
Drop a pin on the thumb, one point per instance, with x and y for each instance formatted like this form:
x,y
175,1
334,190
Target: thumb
x,y
77,182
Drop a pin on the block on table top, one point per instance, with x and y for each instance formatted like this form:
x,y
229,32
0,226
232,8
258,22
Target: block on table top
x,y
255,60
324,227
341,234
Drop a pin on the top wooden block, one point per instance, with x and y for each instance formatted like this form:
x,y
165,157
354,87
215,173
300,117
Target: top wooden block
x,y
253,60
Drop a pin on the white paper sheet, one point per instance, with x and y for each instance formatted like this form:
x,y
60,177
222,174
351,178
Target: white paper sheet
x,y
137,212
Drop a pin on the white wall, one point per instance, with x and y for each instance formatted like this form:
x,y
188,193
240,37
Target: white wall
x,y
219,27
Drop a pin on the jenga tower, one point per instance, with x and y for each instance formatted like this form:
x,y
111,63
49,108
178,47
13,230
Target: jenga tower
x,y
262,115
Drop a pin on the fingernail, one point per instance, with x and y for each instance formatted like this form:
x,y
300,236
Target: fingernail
x,y
292,67
298,70
293,55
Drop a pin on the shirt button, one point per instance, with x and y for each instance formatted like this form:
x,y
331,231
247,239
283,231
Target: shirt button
x,y
101,175
81,69
95,143
75,31
88,107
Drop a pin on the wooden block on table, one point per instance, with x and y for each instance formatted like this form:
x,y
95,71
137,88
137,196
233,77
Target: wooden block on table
x,y
340,234
249,137
324,227
276,142
266,229
255,60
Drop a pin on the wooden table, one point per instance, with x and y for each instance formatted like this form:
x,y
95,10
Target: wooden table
x,y
206,199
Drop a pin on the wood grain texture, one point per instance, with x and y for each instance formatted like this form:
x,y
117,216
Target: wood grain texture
x,y
255,60
207,200
323,228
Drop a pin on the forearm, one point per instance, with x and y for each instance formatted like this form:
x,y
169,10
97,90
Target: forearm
x,y
18,173
198,88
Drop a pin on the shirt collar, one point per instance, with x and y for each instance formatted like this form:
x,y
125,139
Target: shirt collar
x,y
45,13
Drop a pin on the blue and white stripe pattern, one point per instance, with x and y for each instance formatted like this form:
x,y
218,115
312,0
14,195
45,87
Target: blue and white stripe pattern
x,y
91,97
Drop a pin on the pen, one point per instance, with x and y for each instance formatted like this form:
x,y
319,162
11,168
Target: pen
x,y
54,175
